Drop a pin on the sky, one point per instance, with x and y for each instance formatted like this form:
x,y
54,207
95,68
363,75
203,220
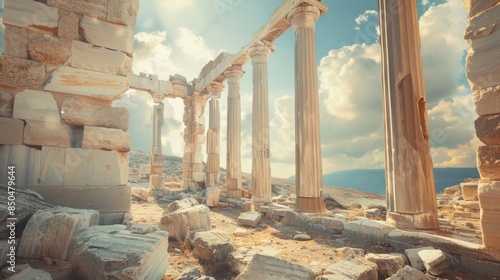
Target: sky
x,y
181,36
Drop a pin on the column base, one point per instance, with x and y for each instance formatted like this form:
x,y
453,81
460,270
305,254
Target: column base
x,y
156,182
311,206
413,221
233,193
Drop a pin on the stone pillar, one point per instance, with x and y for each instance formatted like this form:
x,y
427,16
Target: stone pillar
x,y
261,168
411,194
213,139
194,136
233,159
156,178
483,41
308,166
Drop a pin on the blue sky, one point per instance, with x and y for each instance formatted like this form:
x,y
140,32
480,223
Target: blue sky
x,y
181,36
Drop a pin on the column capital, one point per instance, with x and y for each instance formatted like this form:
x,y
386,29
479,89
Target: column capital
x,y
260,51
215,89
158,97
233,74
303,17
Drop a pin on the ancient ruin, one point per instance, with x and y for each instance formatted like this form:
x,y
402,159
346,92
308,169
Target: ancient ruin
x,y
64,63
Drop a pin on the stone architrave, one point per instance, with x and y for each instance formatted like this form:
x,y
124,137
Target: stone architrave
x,y
213,137
261,168
233,159
411,195
308,166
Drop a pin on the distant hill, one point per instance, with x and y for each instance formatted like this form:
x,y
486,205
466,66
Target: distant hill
x,y
373,180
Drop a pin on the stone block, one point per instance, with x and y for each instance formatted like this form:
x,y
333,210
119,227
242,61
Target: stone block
x,y
488,129
76,112
92,84
334,224
267,267
49,232
414,258
92,8
354,267
482,71
27,162
99,59
489,199
481,33
13,130
123,12
250,218
49,50
35,105
52,167
212,247
156,182
435,261
473,7
241,257
487,101
198,176
108,35
29,13
32,76
180,204
6,105
388,264
469,191
68,27
488,162
140,193
345,252
181,223
105,252
212,196
50,134
371,230
408,273
111,139
29,273
16,41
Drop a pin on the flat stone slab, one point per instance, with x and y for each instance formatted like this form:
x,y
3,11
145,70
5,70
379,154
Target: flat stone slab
x,y
354,267
137,252
265,267
250,218
414,258
435,261
212,246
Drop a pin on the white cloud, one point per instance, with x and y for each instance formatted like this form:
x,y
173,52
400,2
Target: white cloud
x,y
425,2
365,16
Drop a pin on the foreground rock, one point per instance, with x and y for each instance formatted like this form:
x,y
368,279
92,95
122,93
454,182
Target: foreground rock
x,y
435,261
409,273
414,258
353,267
136,252
140,193
49,232
250,218
185,221
263,267
28,273
241,257
180,204
388,264
212,247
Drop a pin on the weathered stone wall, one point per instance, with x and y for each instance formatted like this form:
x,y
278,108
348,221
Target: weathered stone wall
x,y
64,62
483,72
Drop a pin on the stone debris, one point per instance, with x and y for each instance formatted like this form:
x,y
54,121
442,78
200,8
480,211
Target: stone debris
x,y
345,252
240,232
469,191
435,261
140,193
240,258
183,222
212,247
409,273
116,252
180,204
25,272
190,274
414,258
264,267
373,214
353,267
388,264
302,237
213,196
49,232
250,218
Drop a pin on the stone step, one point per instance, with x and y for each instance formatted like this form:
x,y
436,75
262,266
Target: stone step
x,y
469,204
461,214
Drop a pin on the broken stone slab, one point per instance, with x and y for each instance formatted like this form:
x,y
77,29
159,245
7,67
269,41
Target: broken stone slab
x,y
414,258
212,247
50,134
6,105
49,232
15,128
250,218
345,252
240,258
488,129
488,162
93,8
32,76
98,59
264,267
117,252
354,267
88,83
409,273
180,204
110,139
16,41
35,105
469,191
388,264
108,35
435,261
489,199
123,12
26,272
481,69
213,196
140,193
76,112
49,50
29,13
68,27
487,101
181,223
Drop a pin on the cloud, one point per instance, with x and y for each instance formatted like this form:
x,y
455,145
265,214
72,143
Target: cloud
x,y
425,2
365,16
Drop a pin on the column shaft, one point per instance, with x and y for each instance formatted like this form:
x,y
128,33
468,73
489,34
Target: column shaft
x,y
156,179
213,161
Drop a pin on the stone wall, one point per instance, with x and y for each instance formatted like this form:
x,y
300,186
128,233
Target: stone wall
x,y
64,63
483,72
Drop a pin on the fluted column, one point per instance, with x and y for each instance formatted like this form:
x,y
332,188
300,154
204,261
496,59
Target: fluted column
x,y
261,168
308,166
213,139
156,179
411,194
233,159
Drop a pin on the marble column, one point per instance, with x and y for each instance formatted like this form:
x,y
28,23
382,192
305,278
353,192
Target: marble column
x,y
156,178
308,165
411,194
213,138
261,168
233,159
